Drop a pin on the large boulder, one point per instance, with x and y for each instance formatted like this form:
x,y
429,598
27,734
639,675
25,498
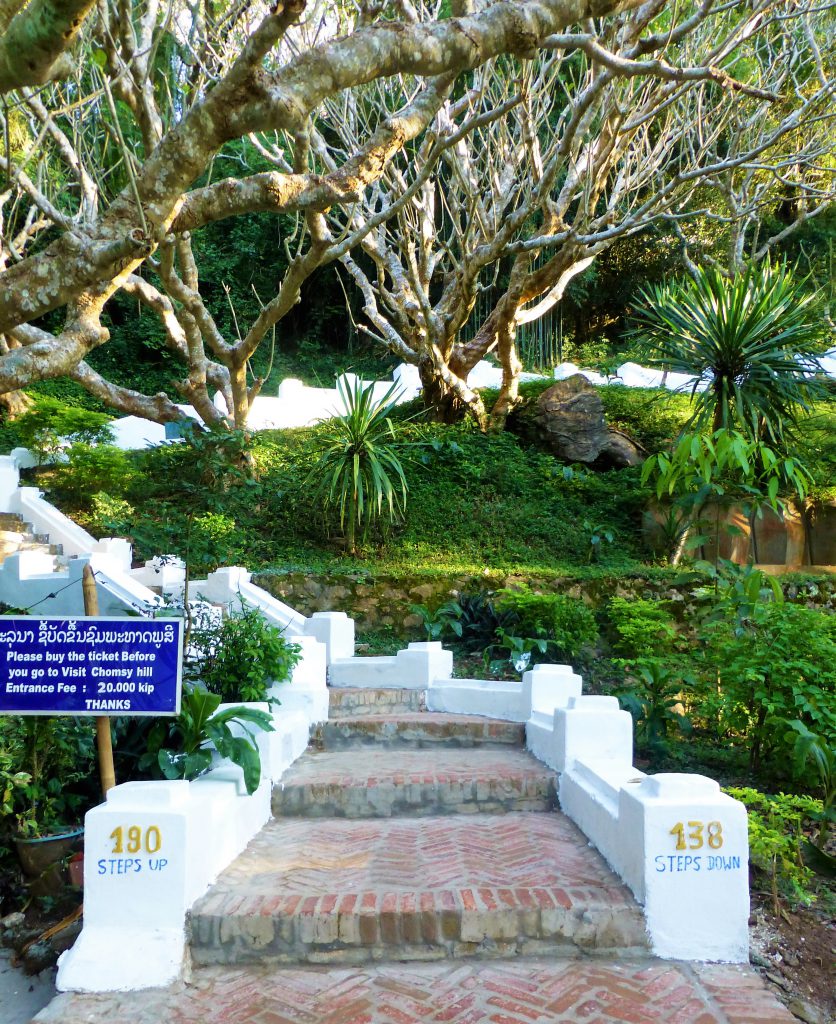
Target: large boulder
x,y
570,423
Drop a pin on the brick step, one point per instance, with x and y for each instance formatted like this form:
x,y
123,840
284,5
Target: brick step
x,y
418,730
351,702
12,543
415,889
370,783
12,521
530,991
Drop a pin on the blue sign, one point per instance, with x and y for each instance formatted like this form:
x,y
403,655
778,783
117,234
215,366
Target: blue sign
x,y
90,666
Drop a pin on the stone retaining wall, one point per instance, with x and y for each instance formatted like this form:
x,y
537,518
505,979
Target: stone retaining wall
x,y
378,602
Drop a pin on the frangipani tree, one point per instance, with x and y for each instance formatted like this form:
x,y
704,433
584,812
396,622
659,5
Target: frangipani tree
x,y
167,87
431,154
537,167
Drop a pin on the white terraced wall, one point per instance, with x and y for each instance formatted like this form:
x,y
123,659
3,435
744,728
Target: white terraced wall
x,y
297,405
678,842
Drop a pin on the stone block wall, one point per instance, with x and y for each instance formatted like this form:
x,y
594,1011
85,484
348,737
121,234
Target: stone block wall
x,y
383,602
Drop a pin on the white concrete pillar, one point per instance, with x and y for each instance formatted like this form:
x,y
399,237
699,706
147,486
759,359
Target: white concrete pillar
x,y
421,663
335,630
685,854
9,483
592,729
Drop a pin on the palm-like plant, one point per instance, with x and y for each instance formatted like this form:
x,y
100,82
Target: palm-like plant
x,y
751,340
359,469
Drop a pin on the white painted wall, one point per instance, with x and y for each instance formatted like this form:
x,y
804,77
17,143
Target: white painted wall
x,y
413,668
297,405
135,903
28,578
678,842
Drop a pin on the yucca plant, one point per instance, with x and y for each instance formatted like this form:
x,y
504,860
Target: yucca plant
x,y
751,339
359,471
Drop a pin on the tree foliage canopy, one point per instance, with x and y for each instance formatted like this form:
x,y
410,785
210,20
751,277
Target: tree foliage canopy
x,y
435,149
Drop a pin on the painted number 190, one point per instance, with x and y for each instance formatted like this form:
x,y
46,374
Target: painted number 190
x,y
699,834
132,839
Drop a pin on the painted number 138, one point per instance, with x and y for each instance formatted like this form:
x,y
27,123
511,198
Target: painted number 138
x,y
132,839
692,835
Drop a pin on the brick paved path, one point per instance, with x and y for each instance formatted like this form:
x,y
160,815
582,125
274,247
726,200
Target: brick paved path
x,y
475,992
383,859
365,783
422,888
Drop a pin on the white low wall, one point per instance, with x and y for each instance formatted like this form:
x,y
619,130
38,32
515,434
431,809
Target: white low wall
x,y
679,843
154,847
28,580
541,690
298,405
413,668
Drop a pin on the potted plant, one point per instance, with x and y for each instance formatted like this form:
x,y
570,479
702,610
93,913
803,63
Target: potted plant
x,y
53,760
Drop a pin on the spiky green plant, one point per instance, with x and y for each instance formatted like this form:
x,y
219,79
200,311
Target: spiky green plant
x,y
751,340
359,471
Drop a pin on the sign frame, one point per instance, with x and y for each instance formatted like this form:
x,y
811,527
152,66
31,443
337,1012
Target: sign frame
x,y
99,622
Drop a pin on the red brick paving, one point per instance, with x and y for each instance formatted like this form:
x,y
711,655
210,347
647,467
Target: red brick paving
x,y
420,729
419,887
465,992
367,766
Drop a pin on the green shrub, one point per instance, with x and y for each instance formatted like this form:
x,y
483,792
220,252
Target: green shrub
x,y
240,659
58,757
776,838
777,666
110,517
653,696
182,748
565,622
51,424
93,469
642,628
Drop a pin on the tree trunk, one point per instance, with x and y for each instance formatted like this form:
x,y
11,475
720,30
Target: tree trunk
x,y
14,404
448,396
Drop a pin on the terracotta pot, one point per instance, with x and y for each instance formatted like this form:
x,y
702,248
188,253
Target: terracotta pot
x,y
42,860
76,869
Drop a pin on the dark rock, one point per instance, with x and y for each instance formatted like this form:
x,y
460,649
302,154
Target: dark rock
x,y
777,979
569,418
806,1011
38,957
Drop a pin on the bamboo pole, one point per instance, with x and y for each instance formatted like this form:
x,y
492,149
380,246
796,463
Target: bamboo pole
x,y
104,743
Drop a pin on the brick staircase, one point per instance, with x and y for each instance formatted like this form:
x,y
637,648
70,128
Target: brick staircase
x,y
414,836
417,870
16,535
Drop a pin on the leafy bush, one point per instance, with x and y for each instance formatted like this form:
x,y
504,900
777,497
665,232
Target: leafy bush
x,y
240,659
778,666
110,516
564,622
776,838
481,621
810,746
443,622
653,696
57,755
642,628
183,748
93,469
52,424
